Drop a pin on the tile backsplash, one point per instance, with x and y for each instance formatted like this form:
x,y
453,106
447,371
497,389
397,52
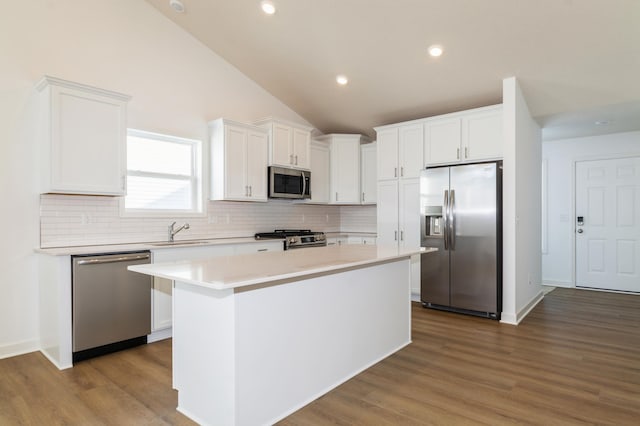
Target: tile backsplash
x,y
69,220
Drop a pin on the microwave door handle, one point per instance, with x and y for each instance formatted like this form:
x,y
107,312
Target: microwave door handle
x,y
304,184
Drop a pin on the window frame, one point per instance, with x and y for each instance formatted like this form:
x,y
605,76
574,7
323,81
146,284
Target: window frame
x,y
195,178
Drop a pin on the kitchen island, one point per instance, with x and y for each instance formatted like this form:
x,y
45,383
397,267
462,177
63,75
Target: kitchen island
x,y
256,337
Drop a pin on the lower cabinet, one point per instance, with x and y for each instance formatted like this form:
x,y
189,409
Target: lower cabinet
x,y
161,300
350,239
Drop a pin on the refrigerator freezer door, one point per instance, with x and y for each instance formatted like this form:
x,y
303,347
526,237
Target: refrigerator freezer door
x,y
474,259
434,274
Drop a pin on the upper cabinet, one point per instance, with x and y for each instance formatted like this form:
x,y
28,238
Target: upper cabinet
x,y
319,173
463,137
344,167
289,143
238,161
400,151
84,131
368,174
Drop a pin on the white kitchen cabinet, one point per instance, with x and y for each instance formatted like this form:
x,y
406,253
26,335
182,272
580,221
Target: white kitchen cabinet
x,y
398,213
368,173
83,131
400,151
319,173
464,137
482,134
161,294
238,161
442,141
289,143
344,167
398,219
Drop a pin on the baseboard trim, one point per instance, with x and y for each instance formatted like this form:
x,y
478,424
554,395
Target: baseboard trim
x,y
160,335
514,319
19,348
563,284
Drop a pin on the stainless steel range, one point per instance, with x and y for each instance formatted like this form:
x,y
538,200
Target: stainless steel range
x,y
295,238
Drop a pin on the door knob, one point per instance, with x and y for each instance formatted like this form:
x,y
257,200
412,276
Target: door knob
x,y
580,231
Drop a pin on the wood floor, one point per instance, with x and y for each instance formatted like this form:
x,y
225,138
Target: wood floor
x,y
574,360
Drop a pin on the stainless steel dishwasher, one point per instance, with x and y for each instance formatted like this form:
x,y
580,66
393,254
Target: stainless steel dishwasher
x,y
111,305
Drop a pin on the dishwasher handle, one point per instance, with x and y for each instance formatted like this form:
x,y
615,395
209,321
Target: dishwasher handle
x,y
124,258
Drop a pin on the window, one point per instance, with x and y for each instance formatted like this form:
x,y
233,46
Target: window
x,y
163,174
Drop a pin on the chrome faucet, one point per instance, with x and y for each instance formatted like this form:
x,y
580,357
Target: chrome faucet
x,y
173,232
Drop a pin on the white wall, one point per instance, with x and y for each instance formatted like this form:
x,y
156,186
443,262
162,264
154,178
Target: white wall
x,y
560,157
521,206
176,83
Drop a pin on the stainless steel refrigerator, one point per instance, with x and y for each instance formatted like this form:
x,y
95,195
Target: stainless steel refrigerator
x,y
461,215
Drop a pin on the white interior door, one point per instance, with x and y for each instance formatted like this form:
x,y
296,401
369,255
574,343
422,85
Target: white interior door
x,y
608,224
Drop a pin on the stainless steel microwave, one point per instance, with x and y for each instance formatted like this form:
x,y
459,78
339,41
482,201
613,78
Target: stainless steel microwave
x,y
289,183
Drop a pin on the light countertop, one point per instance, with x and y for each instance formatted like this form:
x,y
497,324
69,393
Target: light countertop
x,y
121,248
229,272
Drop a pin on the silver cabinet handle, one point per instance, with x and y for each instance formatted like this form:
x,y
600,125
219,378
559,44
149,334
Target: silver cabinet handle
x,y
445,218
579,231
452,220
395,235
395,172
401,171
401,235
296,160
263,249
457,153
466,152
363,197
250,191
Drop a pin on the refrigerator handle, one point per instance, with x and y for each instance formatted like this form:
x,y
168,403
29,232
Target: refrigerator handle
x,y
445,234
452,220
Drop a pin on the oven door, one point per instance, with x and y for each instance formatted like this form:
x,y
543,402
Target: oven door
x,y
289,183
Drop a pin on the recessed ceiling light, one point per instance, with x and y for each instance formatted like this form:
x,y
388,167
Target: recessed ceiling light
x,y
342,80
268,7
602,122
177,5
435,50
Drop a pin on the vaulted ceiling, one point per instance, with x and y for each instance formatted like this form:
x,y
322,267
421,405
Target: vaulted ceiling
x,y
577,61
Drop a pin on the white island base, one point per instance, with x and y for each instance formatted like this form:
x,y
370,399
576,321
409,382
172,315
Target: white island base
x,y
251,354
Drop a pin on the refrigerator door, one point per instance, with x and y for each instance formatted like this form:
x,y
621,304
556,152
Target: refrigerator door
x,y
474,238
434,274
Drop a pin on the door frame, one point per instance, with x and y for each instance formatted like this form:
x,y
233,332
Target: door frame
x,y
574,161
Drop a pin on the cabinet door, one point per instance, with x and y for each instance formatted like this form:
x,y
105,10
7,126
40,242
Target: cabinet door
x,y
409,213
387,141
345,171
88,143
161,303
257,151
482,136
410,150
368,180
281,145
442,137
319,174
235,162
301,148
387,212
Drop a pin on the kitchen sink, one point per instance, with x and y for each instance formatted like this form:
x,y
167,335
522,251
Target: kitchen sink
x,y
178,243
